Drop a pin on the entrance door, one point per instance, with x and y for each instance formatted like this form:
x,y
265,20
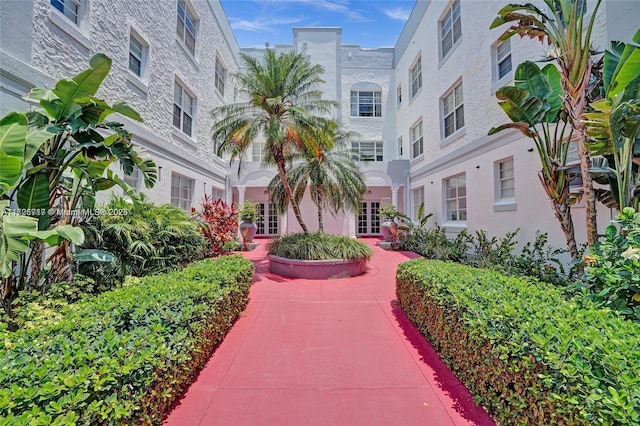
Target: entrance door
x,y
369,218
268,221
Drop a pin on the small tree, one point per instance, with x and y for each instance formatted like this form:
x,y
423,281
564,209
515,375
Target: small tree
x,y
534,105
563,27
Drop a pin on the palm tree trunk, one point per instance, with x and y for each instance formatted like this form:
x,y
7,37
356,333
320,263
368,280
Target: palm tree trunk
x,y
37,248
576,102
287,189
563,214
319,205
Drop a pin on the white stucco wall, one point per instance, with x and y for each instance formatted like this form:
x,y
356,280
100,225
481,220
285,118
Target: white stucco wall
x,y
57,48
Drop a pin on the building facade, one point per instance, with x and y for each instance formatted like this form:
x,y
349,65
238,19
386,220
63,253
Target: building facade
x,y
171,62
422,108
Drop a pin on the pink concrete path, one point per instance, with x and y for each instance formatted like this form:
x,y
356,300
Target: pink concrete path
x,y
326,352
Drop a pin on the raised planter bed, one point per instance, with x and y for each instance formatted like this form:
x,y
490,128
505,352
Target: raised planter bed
x,y
317,269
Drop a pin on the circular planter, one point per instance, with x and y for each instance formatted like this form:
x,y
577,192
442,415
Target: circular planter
x,y
317,269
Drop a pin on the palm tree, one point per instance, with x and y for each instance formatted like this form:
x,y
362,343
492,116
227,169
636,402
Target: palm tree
x,y
285,108
563,28
333,177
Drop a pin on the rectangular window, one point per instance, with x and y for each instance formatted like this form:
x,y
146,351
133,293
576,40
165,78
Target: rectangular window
x,y
416,77
136,54
400,147
72,9
132,179
367,151
506,180
450,28
217,193
399,95
221,76
453,111
417,146
183,109
503,58
181,191
257,151
366,104
456,198
418,200
186,28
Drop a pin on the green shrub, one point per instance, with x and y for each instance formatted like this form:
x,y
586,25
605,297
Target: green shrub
x,y
124,356
612,275
318,246
145,238
527,354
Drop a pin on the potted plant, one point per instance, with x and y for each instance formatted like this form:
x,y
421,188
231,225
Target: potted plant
x,y
389,227
248,227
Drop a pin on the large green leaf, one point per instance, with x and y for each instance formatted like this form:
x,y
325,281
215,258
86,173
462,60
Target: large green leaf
x,y
520,106
33,196
627,68
82,85
13,132
13,232
10,172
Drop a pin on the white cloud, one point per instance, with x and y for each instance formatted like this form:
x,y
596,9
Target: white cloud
x,y
397,13
338,6
261,23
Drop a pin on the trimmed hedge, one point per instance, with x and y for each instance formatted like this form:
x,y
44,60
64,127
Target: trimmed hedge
x,y
124,356
526,353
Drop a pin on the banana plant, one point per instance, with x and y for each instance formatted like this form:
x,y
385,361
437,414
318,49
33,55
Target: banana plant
x,y
565,27
614,124
534,106
57,157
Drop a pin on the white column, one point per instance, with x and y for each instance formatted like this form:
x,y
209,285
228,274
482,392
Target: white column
x,y
240,195
394,196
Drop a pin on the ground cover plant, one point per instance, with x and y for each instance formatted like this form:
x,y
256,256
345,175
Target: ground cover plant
x,y
145,238
319,246
529,355
124,356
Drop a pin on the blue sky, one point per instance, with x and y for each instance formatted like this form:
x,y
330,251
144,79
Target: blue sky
x,y
372,23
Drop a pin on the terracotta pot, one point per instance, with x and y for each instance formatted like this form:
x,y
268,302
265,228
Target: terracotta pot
x,y
389,230
247,231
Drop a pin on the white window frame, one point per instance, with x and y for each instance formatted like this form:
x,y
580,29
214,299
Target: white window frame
x,y
178,184
501,57
417,198
187,17
182,108
142,56
459,197
367,150
503,178
359,100
456,109
447,25
73,10
257,151
415,76
217,193
417,139
220,77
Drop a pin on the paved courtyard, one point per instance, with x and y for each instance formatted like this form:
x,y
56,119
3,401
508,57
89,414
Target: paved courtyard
x,y
330,352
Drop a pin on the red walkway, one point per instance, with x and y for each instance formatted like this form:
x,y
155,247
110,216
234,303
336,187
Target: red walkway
x,y
332,352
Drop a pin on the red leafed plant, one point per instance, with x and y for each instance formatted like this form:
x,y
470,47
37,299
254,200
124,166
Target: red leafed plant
x,y
222,223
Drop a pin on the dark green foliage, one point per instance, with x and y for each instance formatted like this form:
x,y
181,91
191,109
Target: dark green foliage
x,y
124,356
146,239
538,259
527,354
319,246
612,275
